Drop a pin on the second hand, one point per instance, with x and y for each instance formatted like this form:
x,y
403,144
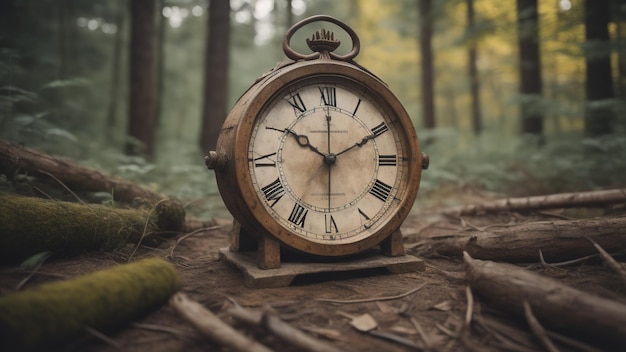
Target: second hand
x,y
328,118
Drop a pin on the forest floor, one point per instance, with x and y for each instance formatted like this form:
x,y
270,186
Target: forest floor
x,y
433,316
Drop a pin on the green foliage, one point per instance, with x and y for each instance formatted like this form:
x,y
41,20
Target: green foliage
x,y
44,117
525,165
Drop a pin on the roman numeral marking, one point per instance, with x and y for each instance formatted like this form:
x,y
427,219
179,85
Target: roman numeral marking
x,y
260,162
387,160
330,224
381,190
298,215
329,96
380,129
273,192
363,214
295,100
356,108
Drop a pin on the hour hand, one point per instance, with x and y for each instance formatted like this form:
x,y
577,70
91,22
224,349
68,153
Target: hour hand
x,y
303,141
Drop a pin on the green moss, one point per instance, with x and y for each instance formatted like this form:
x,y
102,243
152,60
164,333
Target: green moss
x,y
57,312
33,225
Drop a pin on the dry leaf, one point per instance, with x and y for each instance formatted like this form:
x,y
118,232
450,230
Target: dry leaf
x,y
327,333
443,306
385,308
364,323
403,330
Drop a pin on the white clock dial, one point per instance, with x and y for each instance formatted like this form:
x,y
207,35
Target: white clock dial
x,y
326,162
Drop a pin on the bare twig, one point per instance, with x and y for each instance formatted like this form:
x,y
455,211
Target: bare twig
x,y
385,298
167,329
446,330
567,262
62,185
420,331
505,335
609,261
537,329
580,346
470,306
103,337
25,280
182,238
145,229
213,327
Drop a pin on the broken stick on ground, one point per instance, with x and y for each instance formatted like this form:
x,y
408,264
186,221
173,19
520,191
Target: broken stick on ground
x,y
281,330
550,201
578,313
558,240
213,327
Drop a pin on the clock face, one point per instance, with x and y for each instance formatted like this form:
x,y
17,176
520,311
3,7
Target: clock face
x,y
327,163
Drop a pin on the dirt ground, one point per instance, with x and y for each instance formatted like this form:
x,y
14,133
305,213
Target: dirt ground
x,y
433,316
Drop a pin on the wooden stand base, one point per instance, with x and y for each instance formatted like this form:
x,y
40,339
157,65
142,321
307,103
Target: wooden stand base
x,y
268,248
255,277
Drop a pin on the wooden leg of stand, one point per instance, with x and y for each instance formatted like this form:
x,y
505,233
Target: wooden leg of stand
x,y
393,246
268,253
240,240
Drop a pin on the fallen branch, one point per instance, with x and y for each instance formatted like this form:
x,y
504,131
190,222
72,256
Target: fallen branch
x,y
213,327
55,313
282,330
550,201
14,158
32,225
557,240
598,320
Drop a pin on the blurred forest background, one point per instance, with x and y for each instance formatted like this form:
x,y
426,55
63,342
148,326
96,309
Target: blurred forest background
x,y
512,97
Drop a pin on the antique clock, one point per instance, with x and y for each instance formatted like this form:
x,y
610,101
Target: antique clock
x,y
317,157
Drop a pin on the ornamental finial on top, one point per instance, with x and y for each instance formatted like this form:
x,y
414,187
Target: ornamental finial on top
x,y
323,42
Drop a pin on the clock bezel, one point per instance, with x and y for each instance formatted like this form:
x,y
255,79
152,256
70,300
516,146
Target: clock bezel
x,y
235,181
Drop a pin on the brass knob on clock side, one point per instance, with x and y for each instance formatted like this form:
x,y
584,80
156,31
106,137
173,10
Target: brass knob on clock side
x,y
215,161
425,161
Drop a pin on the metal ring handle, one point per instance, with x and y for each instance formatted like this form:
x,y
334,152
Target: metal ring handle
x,y
294,55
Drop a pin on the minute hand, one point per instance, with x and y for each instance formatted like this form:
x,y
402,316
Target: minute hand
x,y
358,144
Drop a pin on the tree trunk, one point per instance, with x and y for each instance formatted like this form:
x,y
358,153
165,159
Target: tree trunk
x,y
530,66
289,10
53,314
620,19
599,84
216,73
143,82
115,76
595,319
426,50
477,124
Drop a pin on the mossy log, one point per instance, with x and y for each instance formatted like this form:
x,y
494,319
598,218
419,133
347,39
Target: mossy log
x,y
76,177
595,319
52,314
33,225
